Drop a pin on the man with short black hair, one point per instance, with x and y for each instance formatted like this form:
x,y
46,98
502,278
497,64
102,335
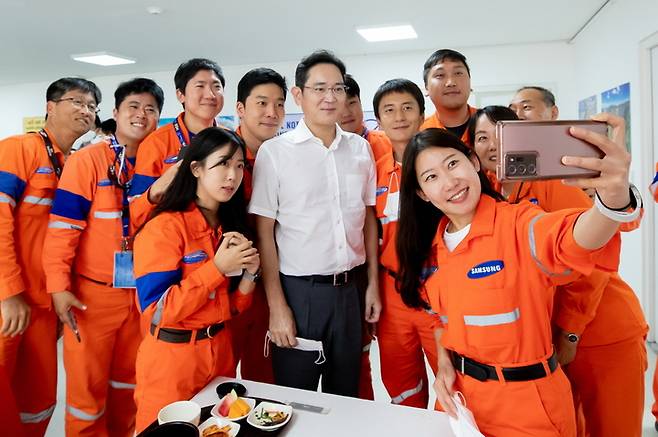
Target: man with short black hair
x,y
448,83
534,103
30,166
352,120
200,90
261,110
314,192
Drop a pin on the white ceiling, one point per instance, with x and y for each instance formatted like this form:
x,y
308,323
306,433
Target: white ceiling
x,y
37,37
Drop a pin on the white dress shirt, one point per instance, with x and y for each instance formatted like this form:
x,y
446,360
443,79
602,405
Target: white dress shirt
x,y
318,196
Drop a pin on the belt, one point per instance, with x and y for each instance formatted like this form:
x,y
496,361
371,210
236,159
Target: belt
x,y
484,372
337,279
171,335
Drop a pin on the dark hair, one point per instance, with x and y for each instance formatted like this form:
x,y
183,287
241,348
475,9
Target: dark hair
x,y
139,85
419,220
188,69
494,113
353,89
315,58
441,55
398,86
97,122
547,96
62,86
109,126
259,76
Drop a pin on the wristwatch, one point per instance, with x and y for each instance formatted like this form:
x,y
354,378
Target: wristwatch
x,y
621,215
253,277
571,337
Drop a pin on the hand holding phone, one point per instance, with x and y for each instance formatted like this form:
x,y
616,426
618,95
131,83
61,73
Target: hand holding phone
x,y
533,150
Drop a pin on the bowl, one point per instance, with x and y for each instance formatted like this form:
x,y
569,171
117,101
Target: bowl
x,y
235,427
173,429
215,410
255,417
181,411
225,388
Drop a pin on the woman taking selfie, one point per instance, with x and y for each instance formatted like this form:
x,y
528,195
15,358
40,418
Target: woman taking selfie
x,y
598,325
496,266
183,257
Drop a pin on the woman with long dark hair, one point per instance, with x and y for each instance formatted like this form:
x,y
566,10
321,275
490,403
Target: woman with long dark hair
x,y
598,325
495,267
185,257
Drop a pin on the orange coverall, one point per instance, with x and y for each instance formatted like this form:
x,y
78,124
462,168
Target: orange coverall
x,y
248,329
84,232
605,312
156,154
495,294
29,361
180,288
433,121
405,335
379,143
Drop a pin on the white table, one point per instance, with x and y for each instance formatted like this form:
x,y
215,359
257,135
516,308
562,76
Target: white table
x,y
347,416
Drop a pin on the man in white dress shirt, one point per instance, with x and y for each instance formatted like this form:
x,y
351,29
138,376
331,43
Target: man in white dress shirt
x,y
314,197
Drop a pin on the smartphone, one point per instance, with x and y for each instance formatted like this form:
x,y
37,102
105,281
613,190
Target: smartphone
x,y
532,150
74,326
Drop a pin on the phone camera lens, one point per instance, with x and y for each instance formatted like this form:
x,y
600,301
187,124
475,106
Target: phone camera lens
x,y
522,169
511,169
532,169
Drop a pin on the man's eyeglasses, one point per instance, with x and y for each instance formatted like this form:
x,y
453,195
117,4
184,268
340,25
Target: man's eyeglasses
x,y
79,104
320,90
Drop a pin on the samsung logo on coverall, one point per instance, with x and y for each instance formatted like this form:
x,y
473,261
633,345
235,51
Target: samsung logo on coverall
x,y
486,269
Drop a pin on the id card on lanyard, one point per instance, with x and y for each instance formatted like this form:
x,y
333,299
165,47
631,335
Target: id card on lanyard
x,y
123,275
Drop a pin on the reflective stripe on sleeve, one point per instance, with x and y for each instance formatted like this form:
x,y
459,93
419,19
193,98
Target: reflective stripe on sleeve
x,y
79,414
533,250
407,393
37,417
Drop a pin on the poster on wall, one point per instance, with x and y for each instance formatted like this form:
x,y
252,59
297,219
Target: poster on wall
x,y
587,108
33,124
618,101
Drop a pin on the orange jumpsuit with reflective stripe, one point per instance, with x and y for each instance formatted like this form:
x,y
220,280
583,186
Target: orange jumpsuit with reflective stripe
x,y
495,295
248,329
29,361
84,232
405,335
605,312
156,154
179,287
434,121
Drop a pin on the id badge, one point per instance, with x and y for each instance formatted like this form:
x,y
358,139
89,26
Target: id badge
x,y
123,275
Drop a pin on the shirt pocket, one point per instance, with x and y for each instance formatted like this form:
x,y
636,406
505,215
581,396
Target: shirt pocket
x,y
355,185
491,321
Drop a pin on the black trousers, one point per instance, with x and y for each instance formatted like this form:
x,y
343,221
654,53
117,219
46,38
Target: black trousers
x,y
329,314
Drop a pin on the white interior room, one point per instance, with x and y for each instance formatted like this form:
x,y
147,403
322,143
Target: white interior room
x,y
577,49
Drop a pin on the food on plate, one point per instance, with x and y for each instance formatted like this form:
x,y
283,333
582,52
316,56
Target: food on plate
x,y
271,417
232,406
216,431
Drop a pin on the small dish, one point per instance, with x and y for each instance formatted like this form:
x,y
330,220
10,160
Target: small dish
x,y
215,410
225,388
257,420
181,411
235,427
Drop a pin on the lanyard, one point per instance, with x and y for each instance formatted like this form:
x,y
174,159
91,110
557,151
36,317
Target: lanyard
x,y
51,153
115,177
365,133
179,134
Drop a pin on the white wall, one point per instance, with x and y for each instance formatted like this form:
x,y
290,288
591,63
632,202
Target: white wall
x,y
606,55
493,69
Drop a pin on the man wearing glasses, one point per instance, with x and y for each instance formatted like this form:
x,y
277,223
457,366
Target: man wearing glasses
x,y
314,192
30,166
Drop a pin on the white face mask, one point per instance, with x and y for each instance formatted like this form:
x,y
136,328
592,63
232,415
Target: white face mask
x,y
464,425
392,207
303,344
